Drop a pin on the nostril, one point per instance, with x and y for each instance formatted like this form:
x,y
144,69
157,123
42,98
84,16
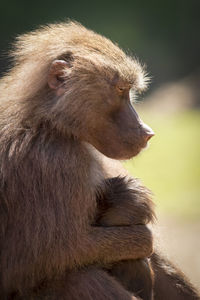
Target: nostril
x,y
147,132
148,136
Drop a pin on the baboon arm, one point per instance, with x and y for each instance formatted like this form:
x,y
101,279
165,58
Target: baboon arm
x,y
170,283
51,225
109,244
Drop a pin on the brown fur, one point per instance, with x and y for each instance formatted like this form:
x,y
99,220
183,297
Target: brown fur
x,y
49,175
126,202
169,278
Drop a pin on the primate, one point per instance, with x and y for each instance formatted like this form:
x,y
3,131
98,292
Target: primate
x,y
126,202
67,92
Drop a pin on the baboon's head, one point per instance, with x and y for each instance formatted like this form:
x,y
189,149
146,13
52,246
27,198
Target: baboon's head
x,y
88,82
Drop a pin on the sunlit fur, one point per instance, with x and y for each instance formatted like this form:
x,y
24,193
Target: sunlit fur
x,y
50,178
33,54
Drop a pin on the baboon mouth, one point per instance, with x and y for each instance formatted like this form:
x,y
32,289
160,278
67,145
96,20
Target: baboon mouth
x,y
138,149
145,146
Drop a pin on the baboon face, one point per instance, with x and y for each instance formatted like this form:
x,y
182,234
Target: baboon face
x,y
105,114
116,129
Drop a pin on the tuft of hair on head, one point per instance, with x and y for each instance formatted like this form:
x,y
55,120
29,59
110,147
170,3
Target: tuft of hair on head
x,y
34,52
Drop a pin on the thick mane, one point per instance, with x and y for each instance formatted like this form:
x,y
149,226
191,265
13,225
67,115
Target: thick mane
x,y
55,39
68,228
33,53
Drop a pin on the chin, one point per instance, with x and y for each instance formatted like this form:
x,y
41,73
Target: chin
x,y
123,154
132,153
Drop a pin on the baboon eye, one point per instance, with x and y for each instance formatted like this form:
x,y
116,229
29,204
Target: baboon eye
x,y
120,89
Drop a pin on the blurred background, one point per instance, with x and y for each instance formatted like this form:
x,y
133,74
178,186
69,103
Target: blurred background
x,y
165,35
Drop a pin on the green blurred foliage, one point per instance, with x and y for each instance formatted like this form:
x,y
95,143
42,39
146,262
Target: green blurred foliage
x,y
170,166
163,34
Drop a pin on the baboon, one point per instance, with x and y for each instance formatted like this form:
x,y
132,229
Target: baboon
x,y
67,92
153,278
126,202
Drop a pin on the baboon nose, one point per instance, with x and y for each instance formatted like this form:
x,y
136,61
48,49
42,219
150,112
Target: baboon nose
x,y
148,132
149,135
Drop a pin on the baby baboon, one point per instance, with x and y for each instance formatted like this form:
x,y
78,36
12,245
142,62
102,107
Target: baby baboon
x,y
126,202
122,198
68,90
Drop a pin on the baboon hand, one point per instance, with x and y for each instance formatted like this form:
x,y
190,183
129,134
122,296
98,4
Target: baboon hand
x,y
144,242
139,243
121,242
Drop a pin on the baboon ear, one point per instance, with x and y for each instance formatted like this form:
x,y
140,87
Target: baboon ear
x,y
56,75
